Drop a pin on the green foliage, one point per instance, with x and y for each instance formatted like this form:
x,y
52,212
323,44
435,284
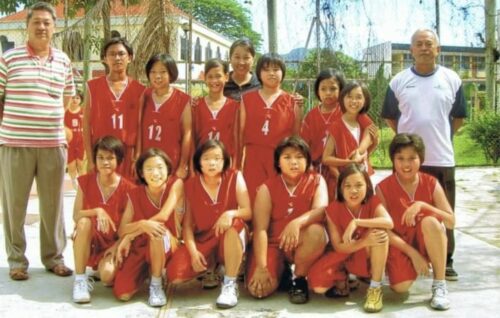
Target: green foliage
x,y
308,69
378,87
225,16
328,58
468,153
485,130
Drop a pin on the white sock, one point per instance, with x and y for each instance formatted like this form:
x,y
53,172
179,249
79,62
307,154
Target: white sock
x,y
80,277
228,279
374,284
155,280
438,282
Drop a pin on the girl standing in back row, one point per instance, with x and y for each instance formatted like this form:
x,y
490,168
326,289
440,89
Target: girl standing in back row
x,y
165,115
267,116
216,116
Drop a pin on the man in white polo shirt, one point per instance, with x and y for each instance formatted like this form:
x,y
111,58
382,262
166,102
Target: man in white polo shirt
x,y
36,82
427,99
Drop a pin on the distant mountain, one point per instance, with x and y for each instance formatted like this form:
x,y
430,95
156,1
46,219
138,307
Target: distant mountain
x,y
297,54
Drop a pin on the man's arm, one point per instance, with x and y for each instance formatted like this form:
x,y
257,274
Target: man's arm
x,y
459,110
390,109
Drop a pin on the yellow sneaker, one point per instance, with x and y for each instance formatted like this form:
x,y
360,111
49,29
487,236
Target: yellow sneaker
x,y
373,301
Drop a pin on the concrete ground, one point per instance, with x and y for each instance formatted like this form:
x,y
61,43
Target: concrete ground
x,y
476,294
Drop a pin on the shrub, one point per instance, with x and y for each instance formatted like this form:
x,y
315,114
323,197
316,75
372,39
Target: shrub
x,y
485,130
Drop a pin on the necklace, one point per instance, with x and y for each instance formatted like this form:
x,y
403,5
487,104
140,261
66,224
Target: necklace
x,y
327,120
352,214
205,187
290,194
117,87
154,201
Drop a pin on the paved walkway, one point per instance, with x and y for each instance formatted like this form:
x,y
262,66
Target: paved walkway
x,y
476,294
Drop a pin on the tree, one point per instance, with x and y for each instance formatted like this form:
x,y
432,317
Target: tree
x,y
224,16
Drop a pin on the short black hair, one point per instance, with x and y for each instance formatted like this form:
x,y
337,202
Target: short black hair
x,y
404,140
149,153
245,43
348,170
213,63
270,59
41,6
327,74
168,61
207,145
111,144
294,142
348,88
116,40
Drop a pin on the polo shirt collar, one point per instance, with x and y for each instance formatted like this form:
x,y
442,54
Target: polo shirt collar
x,y
32,53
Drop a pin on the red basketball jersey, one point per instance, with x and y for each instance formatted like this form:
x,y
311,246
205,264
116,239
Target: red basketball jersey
x,y
144,208
204,210
114,115
162,126
345,143
340,215
267,126
74,121
314,130
220,125
398,200
93,198
288,206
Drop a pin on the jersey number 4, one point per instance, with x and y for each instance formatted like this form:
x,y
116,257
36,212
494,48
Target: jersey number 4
x,y
265,127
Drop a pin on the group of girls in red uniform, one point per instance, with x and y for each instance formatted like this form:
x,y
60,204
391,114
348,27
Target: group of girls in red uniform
x,y
310,202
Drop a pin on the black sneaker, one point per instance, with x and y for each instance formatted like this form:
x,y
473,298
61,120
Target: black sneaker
x,y
299,291
450,273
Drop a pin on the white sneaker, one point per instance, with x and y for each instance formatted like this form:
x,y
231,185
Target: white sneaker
x,y
228,297
440,299
81,291
157,297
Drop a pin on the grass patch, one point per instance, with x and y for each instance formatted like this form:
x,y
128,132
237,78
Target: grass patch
x,y
467,152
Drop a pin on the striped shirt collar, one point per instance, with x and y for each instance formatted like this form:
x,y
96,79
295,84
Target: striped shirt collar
x,y
31,52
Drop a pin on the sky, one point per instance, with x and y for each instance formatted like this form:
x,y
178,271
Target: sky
x,y
358,24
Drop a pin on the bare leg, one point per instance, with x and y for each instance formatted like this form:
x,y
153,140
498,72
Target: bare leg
x,y
233,252
378,258
81,244
435,244
311,246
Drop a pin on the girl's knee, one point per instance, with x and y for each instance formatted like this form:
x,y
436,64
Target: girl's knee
x,y
320,290
83,225
431,225
402,287
314,234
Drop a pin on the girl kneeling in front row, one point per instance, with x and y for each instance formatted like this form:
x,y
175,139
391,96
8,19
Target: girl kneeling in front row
x,y
149,226
358,224
214,229
421,212
288,222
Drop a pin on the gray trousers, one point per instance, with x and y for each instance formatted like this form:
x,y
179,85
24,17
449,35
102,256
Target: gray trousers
x,y
19,166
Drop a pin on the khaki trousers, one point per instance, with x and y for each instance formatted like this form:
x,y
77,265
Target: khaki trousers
x,y
19,166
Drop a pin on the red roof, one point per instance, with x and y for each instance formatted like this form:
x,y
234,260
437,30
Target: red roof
x,y
117,9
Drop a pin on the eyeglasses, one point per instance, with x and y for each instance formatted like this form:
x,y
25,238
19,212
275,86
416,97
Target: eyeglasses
x,y
120,54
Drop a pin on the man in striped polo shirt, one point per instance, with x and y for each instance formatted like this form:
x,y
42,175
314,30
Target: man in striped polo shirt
x,y
35,82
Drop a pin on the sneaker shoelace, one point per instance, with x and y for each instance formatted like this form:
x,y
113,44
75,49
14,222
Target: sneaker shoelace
x,y
439,291
155,291
230,288
89,282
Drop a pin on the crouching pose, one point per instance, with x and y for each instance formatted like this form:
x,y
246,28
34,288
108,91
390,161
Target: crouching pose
x,y
287,221
420,210
149,228
358,224
99,205
214,230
